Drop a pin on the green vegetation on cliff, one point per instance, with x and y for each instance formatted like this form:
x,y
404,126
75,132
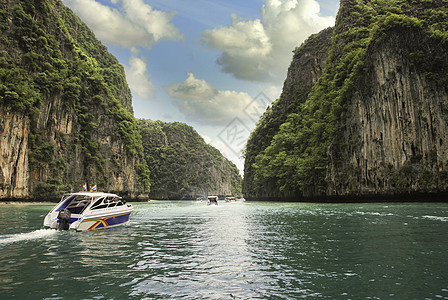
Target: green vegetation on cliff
x,y
295,162
182,165
49,58
69,97
295,91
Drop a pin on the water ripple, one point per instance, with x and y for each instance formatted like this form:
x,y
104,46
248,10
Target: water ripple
x,y
184,250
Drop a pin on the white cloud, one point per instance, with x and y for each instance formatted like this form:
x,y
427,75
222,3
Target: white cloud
x,y
261,50
243,38
137,78
136,24
203,103
192,89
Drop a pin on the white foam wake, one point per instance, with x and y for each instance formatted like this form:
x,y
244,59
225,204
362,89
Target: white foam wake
x,y
20,237
443,219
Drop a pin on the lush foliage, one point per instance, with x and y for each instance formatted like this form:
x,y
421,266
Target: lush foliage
x,y
182,165
47,53
315,48
295,161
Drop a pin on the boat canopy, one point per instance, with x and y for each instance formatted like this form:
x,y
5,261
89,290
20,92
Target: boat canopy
x,y
76,203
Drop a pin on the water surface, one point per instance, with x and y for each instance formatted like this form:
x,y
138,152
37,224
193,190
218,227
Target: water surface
x,y
246,250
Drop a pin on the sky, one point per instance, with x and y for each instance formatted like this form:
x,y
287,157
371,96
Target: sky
x,y
213,64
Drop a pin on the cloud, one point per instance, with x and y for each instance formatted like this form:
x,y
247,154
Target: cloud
x,y
137,78
204,104
136,24
192,89
261,50
244,38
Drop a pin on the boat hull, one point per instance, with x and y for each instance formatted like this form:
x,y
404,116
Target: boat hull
x,y
98,222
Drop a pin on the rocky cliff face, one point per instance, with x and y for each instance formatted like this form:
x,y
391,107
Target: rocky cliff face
x,y
183,166
306,68
14,154
65,108
375,122
396,120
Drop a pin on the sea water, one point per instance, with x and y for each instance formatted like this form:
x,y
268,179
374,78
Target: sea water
x,y
244,250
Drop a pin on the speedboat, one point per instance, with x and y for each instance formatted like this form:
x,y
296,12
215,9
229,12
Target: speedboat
x,y
230,199
212,200
87,211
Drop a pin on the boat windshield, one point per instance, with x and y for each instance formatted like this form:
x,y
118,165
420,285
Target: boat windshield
x,y
107,202
79,203
213,199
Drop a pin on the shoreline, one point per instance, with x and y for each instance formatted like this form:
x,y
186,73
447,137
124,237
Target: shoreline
x,y
19,202
415,197
311,201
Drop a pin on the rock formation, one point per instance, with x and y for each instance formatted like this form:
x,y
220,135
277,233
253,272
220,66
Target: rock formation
x,y
306,68
375,122
395,133
66,118
182,165
65,109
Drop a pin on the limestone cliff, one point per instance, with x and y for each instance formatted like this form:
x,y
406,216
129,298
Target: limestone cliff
x,y
395,133
14,155
306,68
65,109
182,165
375,123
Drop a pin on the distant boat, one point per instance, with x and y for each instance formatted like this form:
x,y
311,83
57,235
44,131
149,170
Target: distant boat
x,y
87,211
199,199
230,199
212,200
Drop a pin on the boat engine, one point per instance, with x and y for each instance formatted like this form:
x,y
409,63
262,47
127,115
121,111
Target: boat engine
x,y
64,219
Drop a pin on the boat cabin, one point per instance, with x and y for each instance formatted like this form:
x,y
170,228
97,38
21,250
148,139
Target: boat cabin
x,y
212,200
76,203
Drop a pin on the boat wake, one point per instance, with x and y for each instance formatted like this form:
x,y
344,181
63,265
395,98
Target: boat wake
x,y
20,237
443,219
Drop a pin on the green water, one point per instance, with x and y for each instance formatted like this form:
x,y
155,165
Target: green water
x,y
248,250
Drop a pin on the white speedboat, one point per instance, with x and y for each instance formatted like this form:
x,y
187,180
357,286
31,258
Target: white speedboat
x,y
230,199
212,200
86,211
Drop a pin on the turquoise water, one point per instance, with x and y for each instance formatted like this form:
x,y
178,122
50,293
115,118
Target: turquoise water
x,y
247,250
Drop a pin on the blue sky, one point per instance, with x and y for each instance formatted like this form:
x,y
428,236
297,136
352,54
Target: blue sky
x,y
213,64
